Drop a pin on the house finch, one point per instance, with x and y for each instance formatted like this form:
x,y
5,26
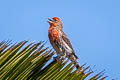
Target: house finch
x,y
60,42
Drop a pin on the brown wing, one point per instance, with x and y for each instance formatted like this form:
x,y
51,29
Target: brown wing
x,y
66,40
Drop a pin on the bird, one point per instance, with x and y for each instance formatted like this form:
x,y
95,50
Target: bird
x,y
60,42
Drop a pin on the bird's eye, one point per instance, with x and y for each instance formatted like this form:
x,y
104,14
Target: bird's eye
x,y
56,20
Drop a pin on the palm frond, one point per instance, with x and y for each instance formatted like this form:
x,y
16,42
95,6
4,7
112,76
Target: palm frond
x,y
31,63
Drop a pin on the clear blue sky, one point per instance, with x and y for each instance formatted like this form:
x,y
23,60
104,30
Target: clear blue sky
x,y
93,26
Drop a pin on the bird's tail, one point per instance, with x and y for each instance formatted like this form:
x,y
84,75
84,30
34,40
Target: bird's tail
x,y
77,65
75,55
73,59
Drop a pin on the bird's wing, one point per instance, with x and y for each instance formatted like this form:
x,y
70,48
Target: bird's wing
x,y
67,44
66,40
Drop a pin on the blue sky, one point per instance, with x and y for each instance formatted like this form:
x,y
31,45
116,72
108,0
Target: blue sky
x,y
93,26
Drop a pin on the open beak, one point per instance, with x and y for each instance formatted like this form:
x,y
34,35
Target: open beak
x,y
50,20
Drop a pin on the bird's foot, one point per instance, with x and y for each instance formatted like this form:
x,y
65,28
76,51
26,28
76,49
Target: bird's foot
x,y
58,58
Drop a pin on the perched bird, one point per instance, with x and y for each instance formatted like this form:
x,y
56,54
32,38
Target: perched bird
x,y
60,42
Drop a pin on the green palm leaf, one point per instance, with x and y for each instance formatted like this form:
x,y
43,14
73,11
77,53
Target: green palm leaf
x,y
31,63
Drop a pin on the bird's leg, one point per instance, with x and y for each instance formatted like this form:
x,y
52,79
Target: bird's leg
x,y
57,58
62,58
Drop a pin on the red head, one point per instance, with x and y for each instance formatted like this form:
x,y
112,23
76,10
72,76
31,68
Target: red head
x,y
55,21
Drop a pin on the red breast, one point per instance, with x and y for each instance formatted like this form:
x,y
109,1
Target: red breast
x,y
53,34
